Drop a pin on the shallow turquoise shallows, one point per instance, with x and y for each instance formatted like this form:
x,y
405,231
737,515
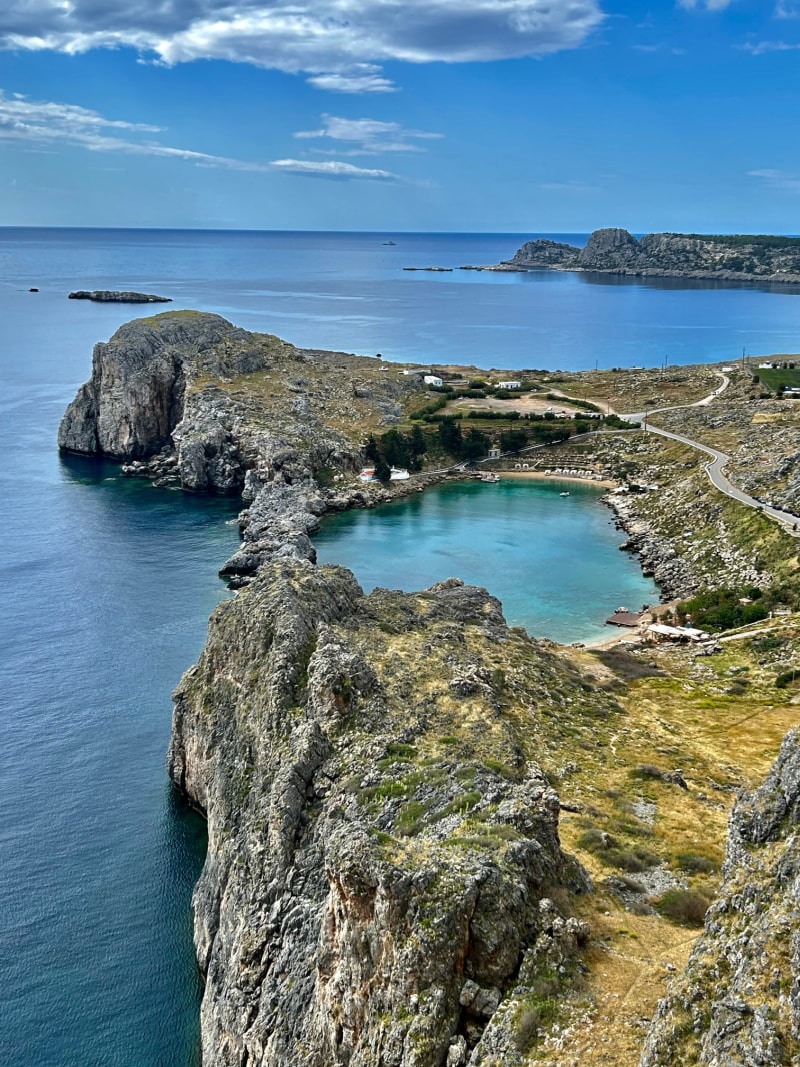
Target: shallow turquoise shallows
x,y
553,560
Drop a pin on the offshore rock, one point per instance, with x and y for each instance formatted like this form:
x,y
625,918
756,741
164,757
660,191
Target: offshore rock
x,y
738,1002
115,296
382,854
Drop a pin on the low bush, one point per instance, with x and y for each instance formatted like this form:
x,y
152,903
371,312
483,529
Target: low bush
x,y
684,907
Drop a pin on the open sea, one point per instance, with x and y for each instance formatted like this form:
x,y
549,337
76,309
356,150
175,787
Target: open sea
x,y
106,584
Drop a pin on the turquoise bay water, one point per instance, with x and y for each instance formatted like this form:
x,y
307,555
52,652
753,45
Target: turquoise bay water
x,y
553,561
106,585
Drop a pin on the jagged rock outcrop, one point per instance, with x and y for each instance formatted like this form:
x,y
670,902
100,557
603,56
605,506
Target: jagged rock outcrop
x,y
383,847
738,1002
721,257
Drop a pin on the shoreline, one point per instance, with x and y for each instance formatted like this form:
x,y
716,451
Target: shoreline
x,y
601,483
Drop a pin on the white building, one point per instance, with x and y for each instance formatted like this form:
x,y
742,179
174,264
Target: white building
x,y
432,379
509,385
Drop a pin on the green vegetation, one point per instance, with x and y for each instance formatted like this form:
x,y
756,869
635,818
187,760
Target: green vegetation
x,y
777,378
684,907
725,609
743,240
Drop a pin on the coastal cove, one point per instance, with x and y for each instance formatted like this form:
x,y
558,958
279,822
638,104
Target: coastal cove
x,y
552,561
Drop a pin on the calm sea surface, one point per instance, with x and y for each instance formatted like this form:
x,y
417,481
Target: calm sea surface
x,y
106,585
553,561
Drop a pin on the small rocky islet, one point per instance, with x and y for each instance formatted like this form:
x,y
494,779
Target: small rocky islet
x,y
118,296
388,779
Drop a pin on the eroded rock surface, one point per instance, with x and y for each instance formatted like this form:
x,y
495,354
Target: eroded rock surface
x,y
738,1003
383,848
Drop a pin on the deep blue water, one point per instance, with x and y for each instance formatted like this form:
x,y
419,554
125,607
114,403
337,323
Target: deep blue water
x,y
106,585
349,292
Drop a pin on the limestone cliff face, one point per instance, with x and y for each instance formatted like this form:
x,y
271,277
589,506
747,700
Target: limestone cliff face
x,y
186,397
135,396
616,251
738,1003
383,848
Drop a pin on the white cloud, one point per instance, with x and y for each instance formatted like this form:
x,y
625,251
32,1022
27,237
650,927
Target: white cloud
x,y
777,179
339,44
787,9
763,48
332,168
45,122
370,135
361,78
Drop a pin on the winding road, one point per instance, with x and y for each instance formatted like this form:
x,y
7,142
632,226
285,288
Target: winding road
x,y
715,467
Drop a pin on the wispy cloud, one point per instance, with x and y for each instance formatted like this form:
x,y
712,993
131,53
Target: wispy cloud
x,y
368,137
571,186
706,5
338,44
778,179
44,125
361,78
787,9
48,123
763,48
332,168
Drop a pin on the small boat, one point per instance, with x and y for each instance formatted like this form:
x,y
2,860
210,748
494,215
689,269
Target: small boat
x,y
389,242
489,476
563,494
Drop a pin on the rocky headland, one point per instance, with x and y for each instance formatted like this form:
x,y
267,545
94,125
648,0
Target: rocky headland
x,y
722,258
188,398
670,255
434,841
383,844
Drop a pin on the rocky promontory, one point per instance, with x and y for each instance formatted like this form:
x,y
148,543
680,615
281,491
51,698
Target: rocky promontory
x,y
668,255
116,296
383,845
187,397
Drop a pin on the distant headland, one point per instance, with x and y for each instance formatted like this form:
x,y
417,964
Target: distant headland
x,y
726,258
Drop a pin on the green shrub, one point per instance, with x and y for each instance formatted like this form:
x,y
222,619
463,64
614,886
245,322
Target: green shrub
x,y
684,907
785,678
694,864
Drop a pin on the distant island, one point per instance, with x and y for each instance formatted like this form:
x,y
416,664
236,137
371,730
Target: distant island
x,y
738,257
113,296
726,258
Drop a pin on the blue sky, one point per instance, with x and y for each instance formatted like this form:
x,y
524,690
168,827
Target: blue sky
x,y
476,115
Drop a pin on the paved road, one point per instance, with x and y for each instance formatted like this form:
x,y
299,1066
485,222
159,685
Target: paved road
x,y
715,468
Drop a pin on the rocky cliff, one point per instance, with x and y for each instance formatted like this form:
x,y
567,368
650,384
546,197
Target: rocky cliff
x,y
738,1003
188,397
615,251
383,845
